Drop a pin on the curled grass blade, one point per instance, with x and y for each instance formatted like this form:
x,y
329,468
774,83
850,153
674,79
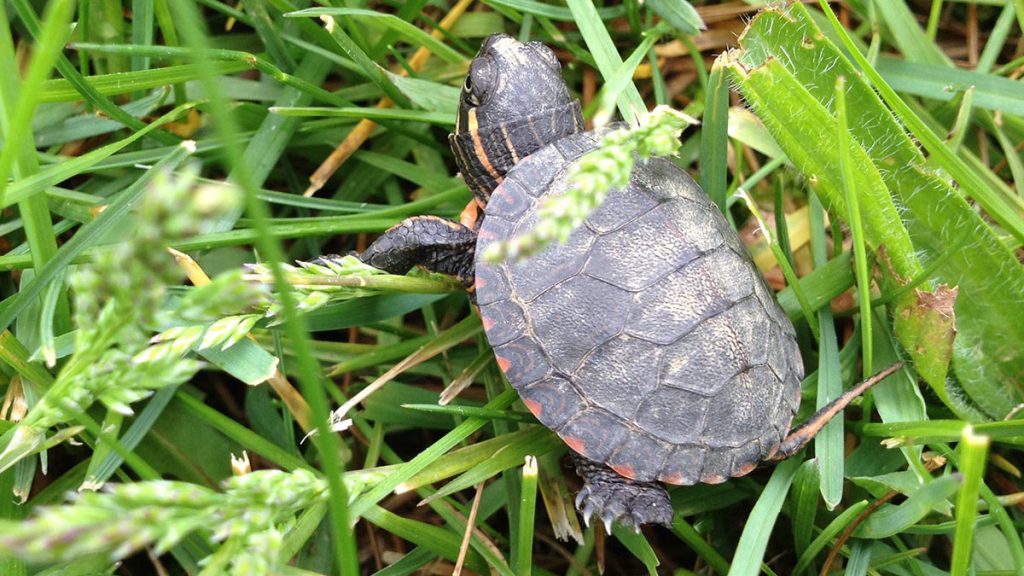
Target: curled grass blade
x,y
892,519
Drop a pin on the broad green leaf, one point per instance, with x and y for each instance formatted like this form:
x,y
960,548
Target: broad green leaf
x,y
787,72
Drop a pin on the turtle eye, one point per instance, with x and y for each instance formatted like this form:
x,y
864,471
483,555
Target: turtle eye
x,y
545,54
467,90
479,80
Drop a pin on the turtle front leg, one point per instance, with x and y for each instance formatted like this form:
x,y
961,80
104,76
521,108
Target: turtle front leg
x,y
437,244
615,498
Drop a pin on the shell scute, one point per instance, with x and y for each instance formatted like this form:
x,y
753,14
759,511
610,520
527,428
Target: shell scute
x,y
558,399
639,254
620,373
598,432
511,205
738,414
673,415
620,208
675,306
545,164
504,321
527,361
643,453
594,310
706,359
538,274
685,465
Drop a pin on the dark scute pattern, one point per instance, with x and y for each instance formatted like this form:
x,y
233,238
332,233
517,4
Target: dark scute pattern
x,y
558,399
741,410
699,290
512,203
576,316
573,148
665,181
653,454
620,208
705,359
718,465
527,361
545,271
656,346
597,431
640,253
491,284
497,227
699,223
746,457
676,416
505,321
544,165
619,374
685,465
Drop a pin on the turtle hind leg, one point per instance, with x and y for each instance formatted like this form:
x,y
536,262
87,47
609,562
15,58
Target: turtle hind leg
x,y
799,437
615,498
437,244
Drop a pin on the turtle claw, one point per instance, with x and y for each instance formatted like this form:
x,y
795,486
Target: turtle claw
x,y
587,513
631,504
615,498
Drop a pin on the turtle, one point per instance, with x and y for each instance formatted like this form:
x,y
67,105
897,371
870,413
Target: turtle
x,y
649,342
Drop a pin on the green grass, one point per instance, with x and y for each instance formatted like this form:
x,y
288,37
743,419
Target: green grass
x,y
873,161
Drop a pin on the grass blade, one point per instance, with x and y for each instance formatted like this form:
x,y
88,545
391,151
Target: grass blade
x,y
523,563
973,450
608,60
754,541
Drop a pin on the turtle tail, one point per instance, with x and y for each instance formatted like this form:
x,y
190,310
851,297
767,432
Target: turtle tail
x,y
799,437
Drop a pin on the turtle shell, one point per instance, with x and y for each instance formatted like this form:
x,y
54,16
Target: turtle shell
x,y
648,342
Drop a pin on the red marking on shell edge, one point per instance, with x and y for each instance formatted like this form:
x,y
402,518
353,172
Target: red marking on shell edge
x,y
574,443
478,282
624,470
503,363
745,469
713,479
532,405
485,235
487,322
673,478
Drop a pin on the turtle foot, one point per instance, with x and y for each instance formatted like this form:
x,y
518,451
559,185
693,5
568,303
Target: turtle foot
x,y
614,498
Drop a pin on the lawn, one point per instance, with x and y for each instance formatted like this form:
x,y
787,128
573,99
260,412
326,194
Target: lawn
x,y
188,389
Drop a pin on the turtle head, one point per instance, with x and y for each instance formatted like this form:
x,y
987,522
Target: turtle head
x,y
513,103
